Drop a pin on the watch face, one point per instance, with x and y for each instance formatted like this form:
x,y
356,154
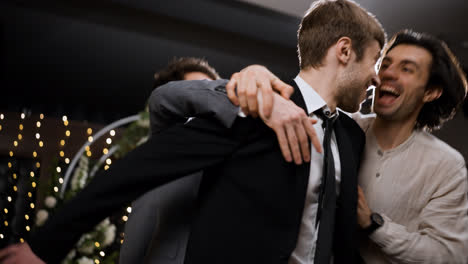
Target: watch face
x,y
378,219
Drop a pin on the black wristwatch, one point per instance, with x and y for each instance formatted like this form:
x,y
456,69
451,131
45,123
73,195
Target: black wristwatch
x,y
376,222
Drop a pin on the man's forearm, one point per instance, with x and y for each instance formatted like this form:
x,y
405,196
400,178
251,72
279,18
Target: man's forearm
x,y
442,230
176,101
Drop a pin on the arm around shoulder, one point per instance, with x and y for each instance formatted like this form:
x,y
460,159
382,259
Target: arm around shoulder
x,y
178,100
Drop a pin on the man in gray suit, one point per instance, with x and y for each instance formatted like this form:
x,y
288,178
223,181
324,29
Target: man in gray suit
x,y
158,227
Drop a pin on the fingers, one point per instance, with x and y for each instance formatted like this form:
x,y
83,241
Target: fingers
x,y
231,89
242,85
310,130
284,89
283,142
251,93
9,260
303,142
10,250
293,144
267,96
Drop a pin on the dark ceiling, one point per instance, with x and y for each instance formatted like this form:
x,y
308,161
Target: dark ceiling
x,y
94,60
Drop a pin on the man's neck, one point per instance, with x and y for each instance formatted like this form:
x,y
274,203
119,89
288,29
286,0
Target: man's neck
x,y
390,134
323,83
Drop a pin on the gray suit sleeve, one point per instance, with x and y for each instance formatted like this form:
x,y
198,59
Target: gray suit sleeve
x,y
175,101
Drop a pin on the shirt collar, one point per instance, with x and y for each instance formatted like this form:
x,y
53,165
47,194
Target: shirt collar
x,y
312,99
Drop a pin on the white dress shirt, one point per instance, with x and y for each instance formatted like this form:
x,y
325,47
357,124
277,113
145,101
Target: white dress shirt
x,y
305,248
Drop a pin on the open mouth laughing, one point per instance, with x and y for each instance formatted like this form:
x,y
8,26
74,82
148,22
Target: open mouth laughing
x,y
388,94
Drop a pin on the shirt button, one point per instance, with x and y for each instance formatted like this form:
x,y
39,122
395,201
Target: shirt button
x,y
377,174
380,152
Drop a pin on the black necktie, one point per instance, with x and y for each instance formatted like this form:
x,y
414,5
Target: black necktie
x,y
327,195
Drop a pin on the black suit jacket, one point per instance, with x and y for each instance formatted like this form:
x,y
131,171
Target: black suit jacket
x,y
251,200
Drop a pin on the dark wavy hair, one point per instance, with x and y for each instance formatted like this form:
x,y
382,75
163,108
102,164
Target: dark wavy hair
x,y
178,67
446,74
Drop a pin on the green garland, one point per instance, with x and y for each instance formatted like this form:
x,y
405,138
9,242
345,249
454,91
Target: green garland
x,y
92,246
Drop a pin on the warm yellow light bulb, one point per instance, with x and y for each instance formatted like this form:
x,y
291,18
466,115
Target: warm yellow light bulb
x,y
125,218
88,153
38,123
62,154
26,217
33,184
21,126
31,205
20,137
11,153
38,164
29,194
9,164
41,116
105,151
15,176
41,144
28,228
89,131
97,244
67,133
31,173
21,240
87,148
106,167
15,143
62,142
34,154
15,188
5,223
65,123
5,210
96,261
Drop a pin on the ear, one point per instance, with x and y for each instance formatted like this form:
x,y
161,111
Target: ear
x,y
432,93
343,50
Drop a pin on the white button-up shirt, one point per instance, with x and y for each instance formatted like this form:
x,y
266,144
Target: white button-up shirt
x,y
305,248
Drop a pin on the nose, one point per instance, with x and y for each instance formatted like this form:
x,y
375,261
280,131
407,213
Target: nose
x,y
376,81
388,73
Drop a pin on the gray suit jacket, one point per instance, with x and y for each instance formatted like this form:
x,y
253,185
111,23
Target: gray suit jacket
x,y
158,227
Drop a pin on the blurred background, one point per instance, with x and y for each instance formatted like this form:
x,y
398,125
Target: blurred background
x,y
84,64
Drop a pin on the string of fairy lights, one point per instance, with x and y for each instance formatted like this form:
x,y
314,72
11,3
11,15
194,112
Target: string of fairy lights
x,y
64,161
13,172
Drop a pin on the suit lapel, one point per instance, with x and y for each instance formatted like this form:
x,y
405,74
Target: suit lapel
x,y
346,218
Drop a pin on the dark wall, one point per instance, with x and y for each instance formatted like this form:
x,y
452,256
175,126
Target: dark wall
x,y
95,60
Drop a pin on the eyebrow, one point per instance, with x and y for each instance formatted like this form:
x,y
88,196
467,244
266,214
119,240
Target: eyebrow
x,y
405,61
